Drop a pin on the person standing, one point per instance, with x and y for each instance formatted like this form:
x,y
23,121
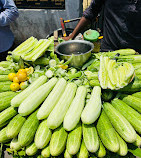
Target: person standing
x,y
122,23
8,14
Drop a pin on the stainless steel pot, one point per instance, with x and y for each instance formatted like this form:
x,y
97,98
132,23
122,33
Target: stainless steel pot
x,y
80,48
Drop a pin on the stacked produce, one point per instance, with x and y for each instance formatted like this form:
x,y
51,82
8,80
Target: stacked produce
x,y
65,112
58,127
114,75
20,79
31,49
5,99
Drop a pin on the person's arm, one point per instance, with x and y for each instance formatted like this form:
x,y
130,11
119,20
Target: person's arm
x,y
89,14
82,23
9,14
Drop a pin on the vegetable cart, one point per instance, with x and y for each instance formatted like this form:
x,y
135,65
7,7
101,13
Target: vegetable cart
x,y
49,108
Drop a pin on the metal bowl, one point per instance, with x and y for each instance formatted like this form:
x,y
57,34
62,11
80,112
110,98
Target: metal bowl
x,y
80,48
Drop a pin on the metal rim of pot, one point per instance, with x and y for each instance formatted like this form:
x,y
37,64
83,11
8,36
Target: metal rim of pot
x,y
74,41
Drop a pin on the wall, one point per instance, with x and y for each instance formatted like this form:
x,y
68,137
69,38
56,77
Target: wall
x,y
40,23
86,3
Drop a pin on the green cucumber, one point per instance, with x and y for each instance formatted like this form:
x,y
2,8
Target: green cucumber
x,y
31,149
28,130
93,108
134,102
6,71
5,99
36,98
101,151
74,140
130,114
52,99
137,94
123,149
94,83
3,136
6,94
43,135
83,152
107,133
17,100
91,75
6,115
73,114
15,145
14,126
67,154
138,141
58,141
4,78
90,137
46,152
57,115
119,122
5,86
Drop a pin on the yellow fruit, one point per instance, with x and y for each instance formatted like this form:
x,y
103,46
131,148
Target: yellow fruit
x,y
11,76
26,69
15,87
22,71
16,80
63,66
29,70
23,85
22,77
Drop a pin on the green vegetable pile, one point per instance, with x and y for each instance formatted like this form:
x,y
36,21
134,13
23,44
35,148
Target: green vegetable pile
x,y
32,49
70,112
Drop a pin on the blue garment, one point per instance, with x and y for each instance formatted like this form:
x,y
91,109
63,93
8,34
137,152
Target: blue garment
x,y
8,14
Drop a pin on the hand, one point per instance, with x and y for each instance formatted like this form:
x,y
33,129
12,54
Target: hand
x,y
66,38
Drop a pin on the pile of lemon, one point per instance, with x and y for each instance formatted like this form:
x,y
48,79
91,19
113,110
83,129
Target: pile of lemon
x,y
20,79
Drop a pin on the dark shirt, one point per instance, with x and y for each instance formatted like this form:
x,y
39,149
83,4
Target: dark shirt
x,y
122,23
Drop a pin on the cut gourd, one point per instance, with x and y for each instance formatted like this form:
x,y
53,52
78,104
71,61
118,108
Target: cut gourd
x,y
113,75
102,74
129,71
111,65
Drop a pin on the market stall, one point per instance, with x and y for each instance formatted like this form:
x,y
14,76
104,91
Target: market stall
x,y
50,107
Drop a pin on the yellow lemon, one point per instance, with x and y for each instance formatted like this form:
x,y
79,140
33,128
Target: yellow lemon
x,y
11,76
22,77
15,87
22,71
63,66
16,80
